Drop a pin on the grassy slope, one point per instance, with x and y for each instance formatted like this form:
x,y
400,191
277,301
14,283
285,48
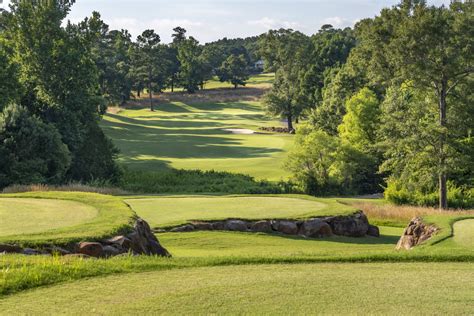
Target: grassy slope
x,y
27,216
169,211
428,288
112,216
192,136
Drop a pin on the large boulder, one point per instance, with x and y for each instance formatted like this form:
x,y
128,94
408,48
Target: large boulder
x,y
236,225
355,225
261,227
202,225
144,242
92,249
10,248
315,228
287,227
183,229
416,233
373,231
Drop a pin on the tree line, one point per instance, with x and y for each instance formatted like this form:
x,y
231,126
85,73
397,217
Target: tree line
x,y
57,79
387,105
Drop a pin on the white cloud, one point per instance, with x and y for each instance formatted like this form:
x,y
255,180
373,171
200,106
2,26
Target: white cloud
x,y
338,22
269,24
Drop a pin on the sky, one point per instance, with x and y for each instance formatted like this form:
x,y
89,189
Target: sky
x,y
209,20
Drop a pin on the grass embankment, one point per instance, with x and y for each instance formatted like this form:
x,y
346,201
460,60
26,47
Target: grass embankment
x,y
168,211
427,288
39,218
193,136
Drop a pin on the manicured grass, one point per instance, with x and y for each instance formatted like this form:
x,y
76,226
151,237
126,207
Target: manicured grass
x,y
80,216
232,244
193,136
377,288
464,233
169,211
255,81
27,216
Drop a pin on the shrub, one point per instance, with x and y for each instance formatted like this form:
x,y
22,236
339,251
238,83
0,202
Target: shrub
x,y
31,151
458,197
197,181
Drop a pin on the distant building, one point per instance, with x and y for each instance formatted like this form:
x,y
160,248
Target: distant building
x,y
259,65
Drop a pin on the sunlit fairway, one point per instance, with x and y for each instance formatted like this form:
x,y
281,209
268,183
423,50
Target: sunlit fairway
x,y
26,216
194,136
343,288
167,211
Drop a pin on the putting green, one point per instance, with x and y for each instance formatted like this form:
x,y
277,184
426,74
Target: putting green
x,y
349,288
27,216
464,233
168,211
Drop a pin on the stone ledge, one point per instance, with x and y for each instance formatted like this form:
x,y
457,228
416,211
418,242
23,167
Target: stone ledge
x,y
354,225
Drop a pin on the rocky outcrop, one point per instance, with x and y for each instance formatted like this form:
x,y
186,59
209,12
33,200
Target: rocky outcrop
x,y
416,233
282,130
140,241
354,225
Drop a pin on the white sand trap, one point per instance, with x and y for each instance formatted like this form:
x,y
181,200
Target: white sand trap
x,y
240,131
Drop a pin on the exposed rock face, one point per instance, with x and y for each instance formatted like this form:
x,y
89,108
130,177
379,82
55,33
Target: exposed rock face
x,y
355,225
287,227
315,228
236,225
373,231
140,241
416,233
92,249
10,248
262,227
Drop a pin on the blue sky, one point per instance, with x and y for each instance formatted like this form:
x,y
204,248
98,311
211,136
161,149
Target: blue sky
x,y
208,20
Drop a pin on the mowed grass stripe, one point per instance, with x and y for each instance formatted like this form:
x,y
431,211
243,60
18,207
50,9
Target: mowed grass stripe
x,y
376,288
26,216
193,136
113,216
169,211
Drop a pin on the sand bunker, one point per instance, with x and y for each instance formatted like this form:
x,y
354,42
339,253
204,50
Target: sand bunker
x,y
240,131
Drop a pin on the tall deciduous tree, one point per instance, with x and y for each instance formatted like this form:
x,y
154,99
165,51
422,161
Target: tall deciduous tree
x,y
234,70
434,48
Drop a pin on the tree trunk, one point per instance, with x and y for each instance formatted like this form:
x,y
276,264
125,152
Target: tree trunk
x,y
289,118
235,86
172,83
443,191
150,96
297,120
138,93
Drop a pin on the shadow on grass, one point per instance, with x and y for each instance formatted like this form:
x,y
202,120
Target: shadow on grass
x,y
194,140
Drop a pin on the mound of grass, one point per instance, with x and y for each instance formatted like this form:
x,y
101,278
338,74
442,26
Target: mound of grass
x,y
176,210
263,289
193,136
111,216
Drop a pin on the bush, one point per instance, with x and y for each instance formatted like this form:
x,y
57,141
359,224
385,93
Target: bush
x,y
31,151
197,181
458,197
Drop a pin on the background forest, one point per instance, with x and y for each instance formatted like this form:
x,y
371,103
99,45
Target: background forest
x,y
383,107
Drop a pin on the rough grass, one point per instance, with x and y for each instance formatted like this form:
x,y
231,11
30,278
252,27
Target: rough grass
x,y
113,216
400,215
182,135
382,288
176,210
73,187
464,233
